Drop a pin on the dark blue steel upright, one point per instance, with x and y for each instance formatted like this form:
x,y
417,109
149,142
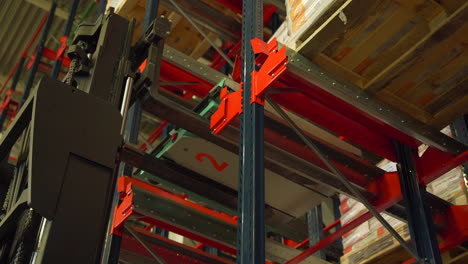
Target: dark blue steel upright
x,y
14,83
459,130
132,127
101,9
40,49
251,229
315,228
66,33
420,222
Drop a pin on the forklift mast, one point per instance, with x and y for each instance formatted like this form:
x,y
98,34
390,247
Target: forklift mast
x,y
60,192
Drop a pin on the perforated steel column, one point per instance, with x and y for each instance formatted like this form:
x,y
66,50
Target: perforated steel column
x,y
251,228
132,127
420,222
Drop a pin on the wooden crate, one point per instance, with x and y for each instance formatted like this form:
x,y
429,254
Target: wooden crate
x,y
184,37
411,54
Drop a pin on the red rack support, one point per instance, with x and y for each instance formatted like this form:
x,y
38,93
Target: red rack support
x,y
185,254
229,108
125,209
272,64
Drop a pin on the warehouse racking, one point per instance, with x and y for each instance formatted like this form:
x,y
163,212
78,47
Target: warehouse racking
x,y
187,203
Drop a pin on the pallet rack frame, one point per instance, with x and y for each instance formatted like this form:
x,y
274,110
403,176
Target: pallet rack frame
x,y
406,133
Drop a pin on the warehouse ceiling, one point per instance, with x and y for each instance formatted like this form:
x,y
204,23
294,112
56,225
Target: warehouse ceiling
x,y
19,19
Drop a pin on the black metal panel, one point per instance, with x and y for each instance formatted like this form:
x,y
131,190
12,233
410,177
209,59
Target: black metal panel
x,y
80,221
460,132
14,131
74,143
111,36
67,120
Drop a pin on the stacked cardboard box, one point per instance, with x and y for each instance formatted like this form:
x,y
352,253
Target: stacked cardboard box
x,y
368,231
371,238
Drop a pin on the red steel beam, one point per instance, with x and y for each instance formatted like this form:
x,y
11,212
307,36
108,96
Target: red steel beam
x,y
453,220
179,199
154,135
168,253
188,234
435,163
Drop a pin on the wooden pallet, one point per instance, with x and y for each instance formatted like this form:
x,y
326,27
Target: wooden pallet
x,y
184,37
411,54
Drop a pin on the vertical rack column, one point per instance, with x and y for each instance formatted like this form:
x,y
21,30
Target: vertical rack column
x,y
251,228
130,134
315,229
420,222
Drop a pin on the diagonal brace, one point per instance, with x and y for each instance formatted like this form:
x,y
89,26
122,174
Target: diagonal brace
x,y
343,179
143,243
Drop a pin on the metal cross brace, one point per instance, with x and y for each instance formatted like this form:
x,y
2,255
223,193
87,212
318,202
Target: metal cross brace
x,y
343,179
143,243
195,25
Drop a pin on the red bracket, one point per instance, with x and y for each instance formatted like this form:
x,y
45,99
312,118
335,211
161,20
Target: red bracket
x,y
272,64
63,48
229,108
125,209
51,55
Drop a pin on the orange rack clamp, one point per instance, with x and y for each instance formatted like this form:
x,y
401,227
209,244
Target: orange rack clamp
x,y
272,63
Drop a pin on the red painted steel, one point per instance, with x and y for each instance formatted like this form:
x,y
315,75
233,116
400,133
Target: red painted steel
x,y
272,64
456,226
306,154
125,209
229,108
338,115
337,122
178,199
387,182
268,11
219,167
51,55
63,47
435,163
170,255
188,234
154,135
234,5
9,104
219,61
350,123
456,233
332,225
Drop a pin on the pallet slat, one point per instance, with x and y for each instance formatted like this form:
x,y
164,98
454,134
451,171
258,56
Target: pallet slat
x,y
411,54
